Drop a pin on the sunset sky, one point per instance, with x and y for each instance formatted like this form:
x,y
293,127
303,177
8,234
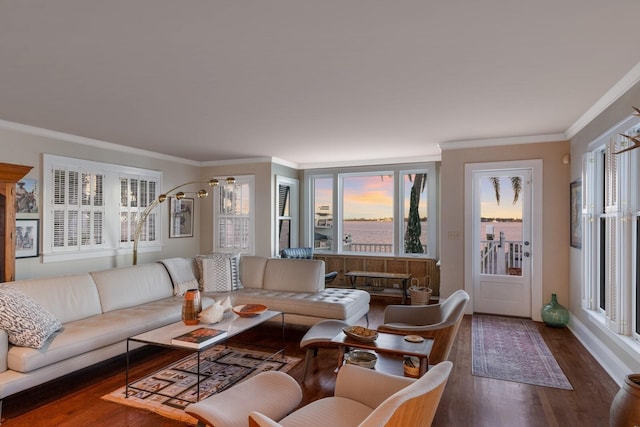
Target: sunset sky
x,y
369,197
506,209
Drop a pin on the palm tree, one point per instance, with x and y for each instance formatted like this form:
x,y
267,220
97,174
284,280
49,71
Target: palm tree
x,y
516,185
412,244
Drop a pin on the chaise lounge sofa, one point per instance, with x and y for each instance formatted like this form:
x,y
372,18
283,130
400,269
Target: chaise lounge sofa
x,y
97,311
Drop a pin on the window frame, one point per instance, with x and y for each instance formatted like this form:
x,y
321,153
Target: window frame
x,y
250,217
293,217
398,172
611,211
111,229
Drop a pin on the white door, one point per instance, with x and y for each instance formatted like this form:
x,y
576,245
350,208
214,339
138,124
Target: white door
x,y
501,241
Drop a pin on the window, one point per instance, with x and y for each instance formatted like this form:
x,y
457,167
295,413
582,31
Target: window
x,y
287,214
374,211
611,215
82,213
233,216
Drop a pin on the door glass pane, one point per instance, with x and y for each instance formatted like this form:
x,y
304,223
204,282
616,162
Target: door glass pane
x,y
501,243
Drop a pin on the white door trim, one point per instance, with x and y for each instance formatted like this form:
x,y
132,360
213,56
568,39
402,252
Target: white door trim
x,y
536,167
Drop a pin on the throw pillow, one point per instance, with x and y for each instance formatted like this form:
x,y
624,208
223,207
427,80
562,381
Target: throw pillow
x,y
219,272
27,323
183,287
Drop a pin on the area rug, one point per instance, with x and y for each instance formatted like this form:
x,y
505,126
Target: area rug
x,y
512,349
220,368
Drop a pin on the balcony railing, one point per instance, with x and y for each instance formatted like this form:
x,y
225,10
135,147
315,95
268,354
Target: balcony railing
x,y
501,257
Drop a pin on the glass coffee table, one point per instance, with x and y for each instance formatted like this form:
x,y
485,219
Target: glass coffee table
x,y
231,323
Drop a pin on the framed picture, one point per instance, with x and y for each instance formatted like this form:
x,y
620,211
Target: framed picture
x,y
181,218
26,200
27,242
575,197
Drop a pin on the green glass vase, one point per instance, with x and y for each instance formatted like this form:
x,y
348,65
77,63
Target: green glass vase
x,y
555,314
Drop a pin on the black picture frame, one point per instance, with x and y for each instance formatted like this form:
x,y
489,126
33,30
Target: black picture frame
x,y
181,217
27,238
575,212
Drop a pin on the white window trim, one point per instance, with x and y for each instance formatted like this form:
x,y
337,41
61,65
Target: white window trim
x,y
397,170
293,217
244,179
621,205
111,232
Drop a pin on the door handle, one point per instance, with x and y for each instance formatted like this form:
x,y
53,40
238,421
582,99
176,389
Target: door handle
x,y
526,254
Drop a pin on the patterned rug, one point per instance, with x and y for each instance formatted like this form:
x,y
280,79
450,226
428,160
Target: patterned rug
x,y
512,349
220,368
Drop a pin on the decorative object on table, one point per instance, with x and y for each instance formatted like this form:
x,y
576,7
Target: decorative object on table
x,y
575,207
625,408
360,333
142,220
512,349
420,295
27,238
363,358
181,217
220,368
555,314
413,338
411,366
249,310
198,338
191,307
215,312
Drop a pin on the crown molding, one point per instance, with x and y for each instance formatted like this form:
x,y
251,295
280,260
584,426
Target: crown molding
x,y
75,139
493,142
371,162
613,94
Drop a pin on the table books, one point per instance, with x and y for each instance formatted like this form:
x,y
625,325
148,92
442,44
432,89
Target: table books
x,y
198,338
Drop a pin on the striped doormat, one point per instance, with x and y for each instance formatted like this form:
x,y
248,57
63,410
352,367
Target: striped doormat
x,y
512,349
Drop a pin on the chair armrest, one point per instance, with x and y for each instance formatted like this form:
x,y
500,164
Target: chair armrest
x,y
413,314
367,386
256,419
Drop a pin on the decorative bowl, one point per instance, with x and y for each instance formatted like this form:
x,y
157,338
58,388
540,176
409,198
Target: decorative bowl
x,y
360,333
249,310
362,358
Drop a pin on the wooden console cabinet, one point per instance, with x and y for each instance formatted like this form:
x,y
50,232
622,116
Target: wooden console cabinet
x,y
9,176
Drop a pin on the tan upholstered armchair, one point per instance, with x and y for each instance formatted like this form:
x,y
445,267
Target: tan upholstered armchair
x,y
439,322
362,397
367,398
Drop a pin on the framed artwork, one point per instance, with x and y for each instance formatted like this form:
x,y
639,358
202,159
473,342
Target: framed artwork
x,y
27,238
575,197
181,218
26,200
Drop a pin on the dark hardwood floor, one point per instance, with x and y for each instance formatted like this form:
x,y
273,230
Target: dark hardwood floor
x,y
467,401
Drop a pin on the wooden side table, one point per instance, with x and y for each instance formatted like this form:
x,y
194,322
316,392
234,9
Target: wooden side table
x,y
402,277
390,344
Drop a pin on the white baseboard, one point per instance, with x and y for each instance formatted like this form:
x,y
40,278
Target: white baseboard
x,y
609,361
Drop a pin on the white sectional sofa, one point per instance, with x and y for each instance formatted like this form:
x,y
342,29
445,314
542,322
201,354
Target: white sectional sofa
x,y
296,287
99,310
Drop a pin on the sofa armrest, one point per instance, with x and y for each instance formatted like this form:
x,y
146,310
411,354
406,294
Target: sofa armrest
x,y
4,350
256,419
367,386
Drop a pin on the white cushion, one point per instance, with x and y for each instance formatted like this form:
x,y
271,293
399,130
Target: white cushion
x,y
297,275
27,323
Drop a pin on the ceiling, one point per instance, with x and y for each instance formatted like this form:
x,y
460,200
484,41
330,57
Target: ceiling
x,y
313,82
